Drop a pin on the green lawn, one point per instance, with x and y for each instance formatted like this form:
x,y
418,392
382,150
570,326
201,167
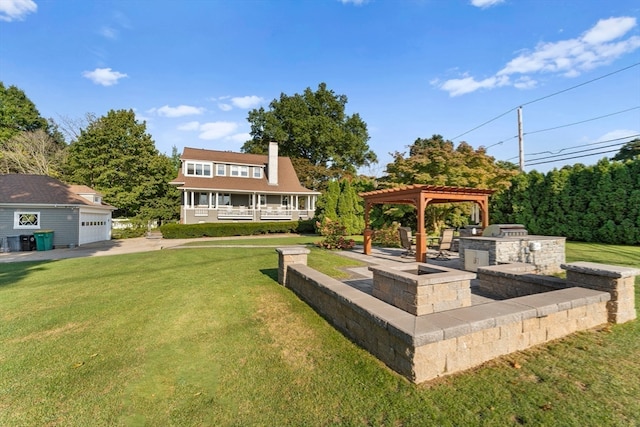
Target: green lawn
x,y
207,337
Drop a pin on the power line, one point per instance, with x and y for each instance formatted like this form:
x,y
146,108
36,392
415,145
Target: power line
x,y
582,121
570,158
556,154
485,123
545,97
586,145
582,151
581,84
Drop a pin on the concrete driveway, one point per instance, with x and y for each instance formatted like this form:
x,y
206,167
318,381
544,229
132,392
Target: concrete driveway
x,y
110,247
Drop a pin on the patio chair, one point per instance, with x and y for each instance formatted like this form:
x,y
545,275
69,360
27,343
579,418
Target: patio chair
x,y
406,241
444,246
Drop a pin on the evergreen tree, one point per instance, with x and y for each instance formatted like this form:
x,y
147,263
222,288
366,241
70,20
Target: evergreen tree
x,y
116,156
327,205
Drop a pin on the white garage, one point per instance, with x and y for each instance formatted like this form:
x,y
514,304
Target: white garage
x,y
94,226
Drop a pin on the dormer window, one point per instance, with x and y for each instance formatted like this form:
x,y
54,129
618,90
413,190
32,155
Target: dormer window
x,y
257,172
198,169
242,171
221,169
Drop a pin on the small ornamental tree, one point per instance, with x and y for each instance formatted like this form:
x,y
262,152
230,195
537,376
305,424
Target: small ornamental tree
x,y
335,235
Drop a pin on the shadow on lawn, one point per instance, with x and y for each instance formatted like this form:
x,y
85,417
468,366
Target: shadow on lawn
x,y
11,273
271,273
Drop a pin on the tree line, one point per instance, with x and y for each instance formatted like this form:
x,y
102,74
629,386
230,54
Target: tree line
x,y
599,203
115,155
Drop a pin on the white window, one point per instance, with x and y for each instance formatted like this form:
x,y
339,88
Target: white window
x,y
257,172
198,169
242,171
26,220
221,170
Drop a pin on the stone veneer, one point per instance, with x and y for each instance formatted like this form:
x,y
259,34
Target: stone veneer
x,y
617,281
424,290
505,250
425,347
516,280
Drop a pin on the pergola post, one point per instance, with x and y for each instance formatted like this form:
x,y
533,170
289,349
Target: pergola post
x,y
421,235
367,230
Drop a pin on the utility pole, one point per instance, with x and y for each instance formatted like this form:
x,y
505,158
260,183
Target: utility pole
x,y
520,139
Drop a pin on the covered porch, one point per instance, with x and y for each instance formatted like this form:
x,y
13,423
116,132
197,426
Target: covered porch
x,y
420,196
212,206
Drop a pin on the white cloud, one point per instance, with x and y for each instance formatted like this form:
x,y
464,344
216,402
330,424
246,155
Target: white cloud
x,y
240,137
247,102
16,10
189,126
216,130
104,76
179,111
356,2
598,46
109,33
225,107
617,134
610,29
485,3
211,130
525,82
457,87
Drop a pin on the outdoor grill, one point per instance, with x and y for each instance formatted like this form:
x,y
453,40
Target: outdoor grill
x,y
505,230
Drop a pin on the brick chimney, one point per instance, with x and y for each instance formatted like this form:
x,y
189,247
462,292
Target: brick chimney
x,y
272,167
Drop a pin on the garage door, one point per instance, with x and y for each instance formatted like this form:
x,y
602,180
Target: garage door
x,y
94,227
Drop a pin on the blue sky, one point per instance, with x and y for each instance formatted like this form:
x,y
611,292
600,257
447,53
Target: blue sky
x,y
193,69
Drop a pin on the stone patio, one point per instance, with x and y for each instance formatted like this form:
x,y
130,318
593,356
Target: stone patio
x,y
422,345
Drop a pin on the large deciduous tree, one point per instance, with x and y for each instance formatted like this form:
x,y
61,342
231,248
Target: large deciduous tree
x,y
312,126
29,144
18,114
629,151
437,161
32,152
116,156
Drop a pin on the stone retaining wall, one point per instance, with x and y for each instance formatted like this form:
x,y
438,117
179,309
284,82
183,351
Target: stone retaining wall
x,y
425,347
516,280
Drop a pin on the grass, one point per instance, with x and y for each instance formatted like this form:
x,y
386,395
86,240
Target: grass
x,y
270,240
207,337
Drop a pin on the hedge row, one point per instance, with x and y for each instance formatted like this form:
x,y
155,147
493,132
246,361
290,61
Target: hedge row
x,y
227,229
599,203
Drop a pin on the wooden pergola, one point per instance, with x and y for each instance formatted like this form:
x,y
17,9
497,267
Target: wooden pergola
x,y
421,196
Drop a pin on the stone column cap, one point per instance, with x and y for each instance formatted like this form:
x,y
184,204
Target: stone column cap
x,y
294,250
597,269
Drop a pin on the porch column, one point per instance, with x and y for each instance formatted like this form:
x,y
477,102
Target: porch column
x,y
192,198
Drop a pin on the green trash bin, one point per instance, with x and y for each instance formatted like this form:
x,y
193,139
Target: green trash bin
x,y
44,240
